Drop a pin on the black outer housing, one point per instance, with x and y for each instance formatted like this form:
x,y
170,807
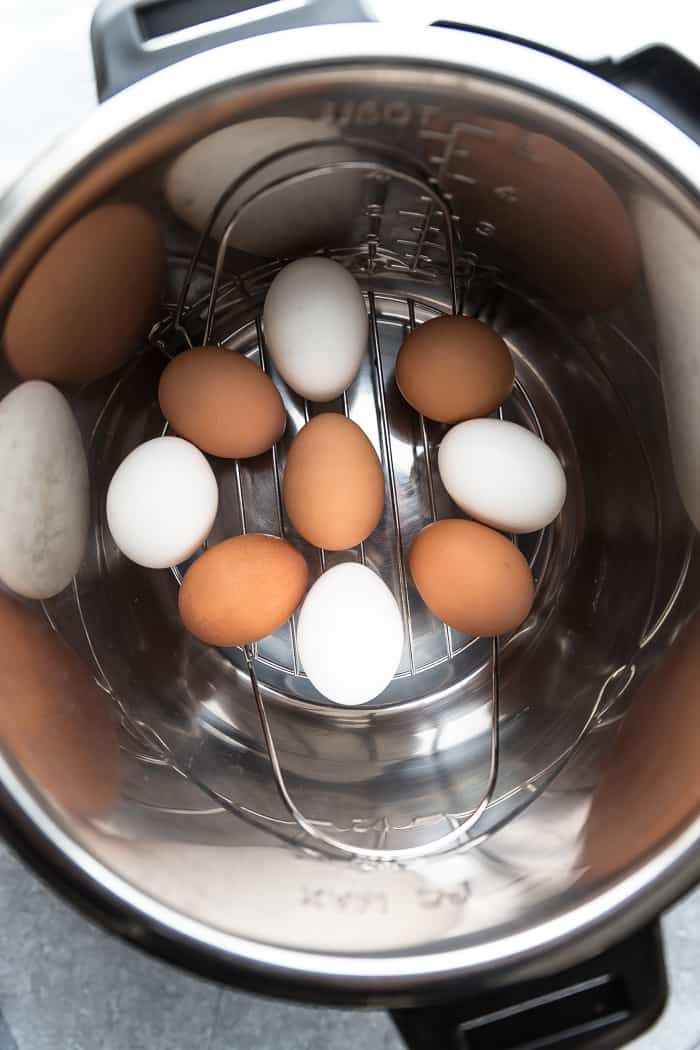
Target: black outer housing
x,y
121,31
600,1004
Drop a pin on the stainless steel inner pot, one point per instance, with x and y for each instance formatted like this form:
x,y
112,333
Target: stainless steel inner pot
x,y
577,212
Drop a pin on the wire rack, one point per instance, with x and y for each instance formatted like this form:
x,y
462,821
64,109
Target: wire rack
x,y
433,230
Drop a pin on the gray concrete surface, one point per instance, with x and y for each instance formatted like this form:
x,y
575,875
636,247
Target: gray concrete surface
x,y
65,985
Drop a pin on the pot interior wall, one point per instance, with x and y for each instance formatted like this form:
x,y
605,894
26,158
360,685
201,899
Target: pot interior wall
x,y
597,688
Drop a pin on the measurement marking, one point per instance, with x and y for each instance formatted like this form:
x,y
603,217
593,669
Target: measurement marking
x,y
466,179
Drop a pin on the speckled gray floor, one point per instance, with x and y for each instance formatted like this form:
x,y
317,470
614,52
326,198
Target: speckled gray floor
x,y
66,985
69,986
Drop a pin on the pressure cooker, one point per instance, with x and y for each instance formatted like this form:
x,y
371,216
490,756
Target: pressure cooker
x,y
486,848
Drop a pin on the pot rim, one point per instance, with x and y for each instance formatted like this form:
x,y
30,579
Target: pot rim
x,y
589,926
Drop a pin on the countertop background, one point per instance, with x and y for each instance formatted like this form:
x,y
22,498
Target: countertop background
x,y
65,985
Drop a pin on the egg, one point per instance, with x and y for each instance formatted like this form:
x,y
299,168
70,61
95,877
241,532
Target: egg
x,y
242,589
454,368
221,402
296,217
541,207
316,326
648,781
471,577
350,634
55,721
162,502
90,300
502,474
333,486
45,491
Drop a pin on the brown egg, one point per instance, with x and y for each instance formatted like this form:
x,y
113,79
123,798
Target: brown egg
x,y
242,589
221,402
91,299
471,577
454,368
650,781
333,483
54,719
531,205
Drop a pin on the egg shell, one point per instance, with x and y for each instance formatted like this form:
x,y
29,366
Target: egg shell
x,y
221,402
647,782
556,218
350,634
454,368
162,502
333,487
316,327
502,474
471,577
242,589
295,218
91,299
54,719
44,493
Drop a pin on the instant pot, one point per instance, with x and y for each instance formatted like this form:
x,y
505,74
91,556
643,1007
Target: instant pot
x,y
486,848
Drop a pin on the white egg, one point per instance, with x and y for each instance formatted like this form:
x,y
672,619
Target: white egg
x,y
502,474
292,220
161,502
45,492
350,634
315,323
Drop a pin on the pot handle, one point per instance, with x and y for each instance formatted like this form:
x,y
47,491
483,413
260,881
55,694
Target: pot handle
x,y
657,75
134,38
666,81
599,1005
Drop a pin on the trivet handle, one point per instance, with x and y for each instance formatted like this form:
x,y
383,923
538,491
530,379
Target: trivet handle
x,y
600,1005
